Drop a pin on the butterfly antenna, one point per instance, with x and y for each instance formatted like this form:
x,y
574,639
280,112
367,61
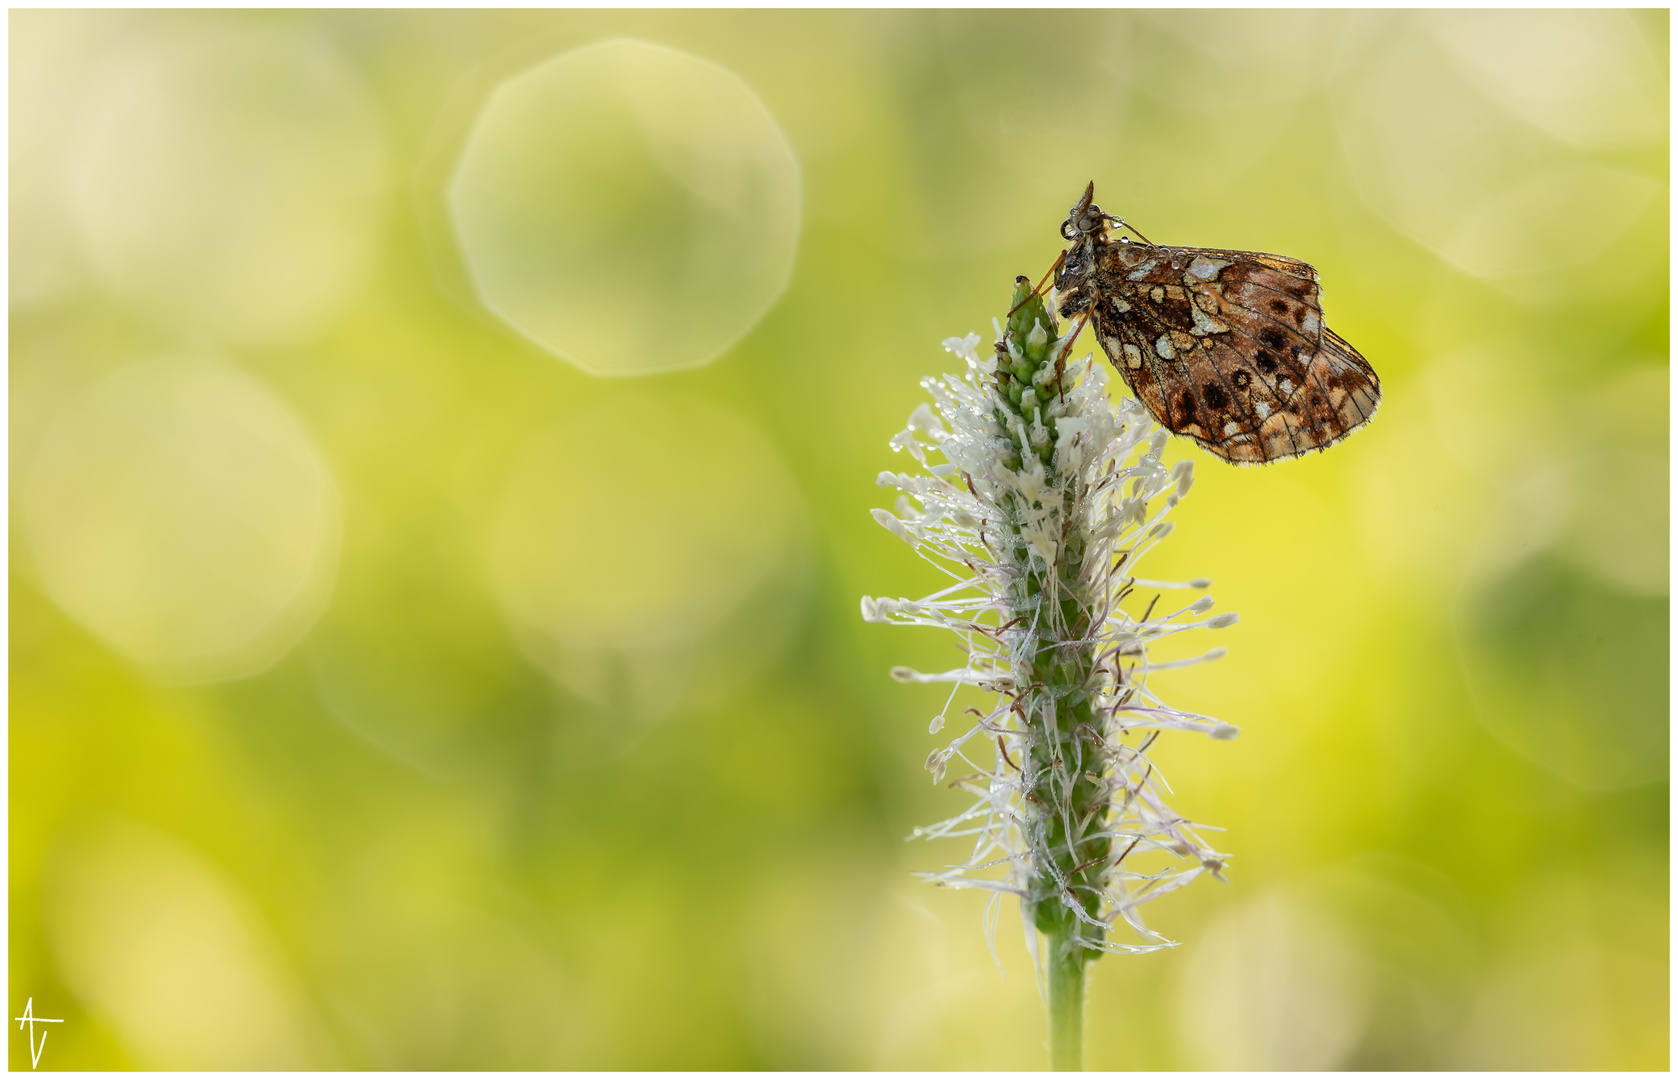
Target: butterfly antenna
x,y
1123,224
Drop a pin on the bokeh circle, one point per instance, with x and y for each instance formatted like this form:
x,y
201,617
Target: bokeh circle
x,y
627,536
178,510
231,181
627,206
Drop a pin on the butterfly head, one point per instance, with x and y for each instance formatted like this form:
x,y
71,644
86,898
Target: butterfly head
x,y
1085,218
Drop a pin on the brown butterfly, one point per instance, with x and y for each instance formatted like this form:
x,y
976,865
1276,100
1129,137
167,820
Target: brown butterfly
x,y
1226,347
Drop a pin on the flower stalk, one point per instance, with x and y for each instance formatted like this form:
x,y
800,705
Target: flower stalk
x,y
1046,501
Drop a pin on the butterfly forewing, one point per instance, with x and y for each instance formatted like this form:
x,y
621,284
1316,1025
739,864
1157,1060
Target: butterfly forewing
x,y
1228,348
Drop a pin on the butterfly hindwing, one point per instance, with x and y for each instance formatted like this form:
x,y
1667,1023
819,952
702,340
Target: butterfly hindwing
x,y
1228,348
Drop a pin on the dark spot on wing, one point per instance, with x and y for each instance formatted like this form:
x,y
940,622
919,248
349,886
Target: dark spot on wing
x,y
1272,337
1266,362
1215,395
1241,380
1185,405
1279,306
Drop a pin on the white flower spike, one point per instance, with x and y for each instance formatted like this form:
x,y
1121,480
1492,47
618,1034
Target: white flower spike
x,y
1047,499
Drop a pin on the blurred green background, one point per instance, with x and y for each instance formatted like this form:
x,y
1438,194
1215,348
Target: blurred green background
x,y
388,692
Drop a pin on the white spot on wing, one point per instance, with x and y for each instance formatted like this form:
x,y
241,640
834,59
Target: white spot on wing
x,y
1132,355
1163,347
1204,324
1206,269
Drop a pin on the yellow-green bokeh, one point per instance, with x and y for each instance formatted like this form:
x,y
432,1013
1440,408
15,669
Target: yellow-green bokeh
x,y
352,759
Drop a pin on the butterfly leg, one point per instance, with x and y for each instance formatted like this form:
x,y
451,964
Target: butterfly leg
x,y
1034,292
1060,361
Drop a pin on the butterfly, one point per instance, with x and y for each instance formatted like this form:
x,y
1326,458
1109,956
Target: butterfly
x,y
1225,347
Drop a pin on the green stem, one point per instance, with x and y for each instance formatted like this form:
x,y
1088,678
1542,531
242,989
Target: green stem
x,y
1060,673
1066,1004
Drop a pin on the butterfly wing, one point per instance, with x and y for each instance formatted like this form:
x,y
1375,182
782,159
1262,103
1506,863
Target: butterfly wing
x,y
1228,348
